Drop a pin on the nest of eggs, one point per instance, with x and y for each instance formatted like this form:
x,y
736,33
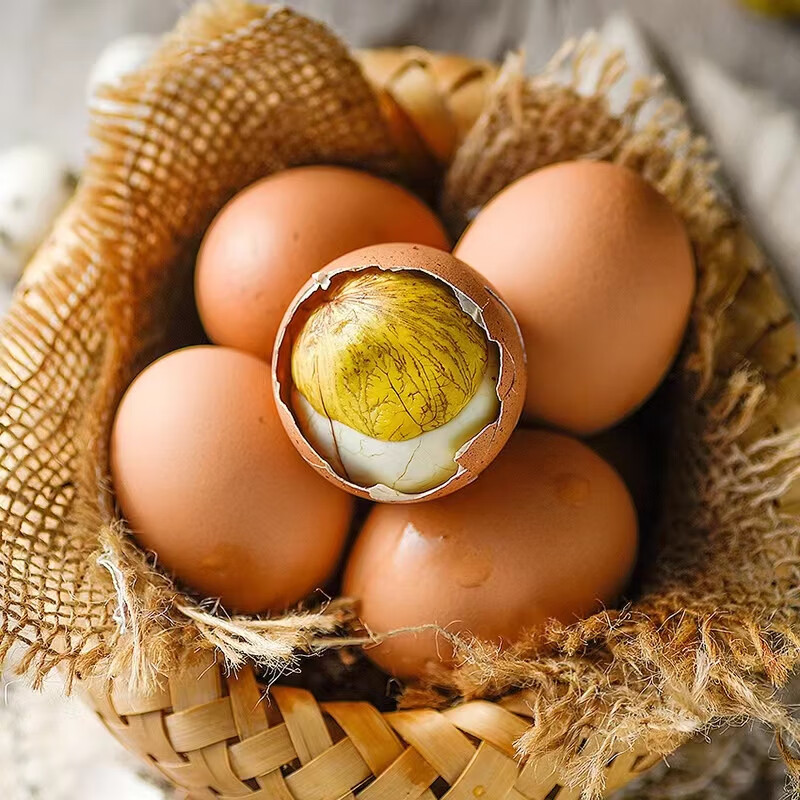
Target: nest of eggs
x,y
711,630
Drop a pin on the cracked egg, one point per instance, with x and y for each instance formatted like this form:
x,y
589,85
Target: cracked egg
x,y
399,373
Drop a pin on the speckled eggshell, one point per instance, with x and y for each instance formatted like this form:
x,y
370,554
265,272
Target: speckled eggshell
x,y
500,324
208,481
547,531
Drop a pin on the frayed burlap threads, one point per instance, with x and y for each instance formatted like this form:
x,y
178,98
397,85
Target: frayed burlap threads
x,y
715,629
238,92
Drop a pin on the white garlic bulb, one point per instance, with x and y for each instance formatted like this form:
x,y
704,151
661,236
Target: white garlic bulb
x,y
120,58
35,185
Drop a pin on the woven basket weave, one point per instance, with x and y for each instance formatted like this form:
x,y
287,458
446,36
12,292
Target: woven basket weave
x,y
697,648
217,735
222,737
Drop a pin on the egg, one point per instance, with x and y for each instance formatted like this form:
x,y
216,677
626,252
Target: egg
x,y
548,531
267,242
399,373
598,269
207,480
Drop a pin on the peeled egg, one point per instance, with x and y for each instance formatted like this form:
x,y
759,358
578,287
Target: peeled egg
x,y
598,269
207,479
269,240
548,531
399,373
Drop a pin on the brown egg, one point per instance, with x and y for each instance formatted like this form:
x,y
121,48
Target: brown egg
x,y
207,479
267,242
399,374
548,531
598,270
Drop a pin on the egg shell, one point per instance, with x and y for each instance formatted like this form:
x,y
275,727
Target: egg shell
x,y
599,271
498,322
207,479
271,237
547,531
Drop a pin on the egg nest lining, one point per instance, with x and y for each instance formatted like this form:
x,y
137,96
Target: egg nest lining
x,y
713,629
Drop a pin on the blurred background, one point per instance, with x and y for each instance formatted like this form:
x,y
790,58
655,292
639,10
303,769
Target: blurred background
x,y
47,47
736,63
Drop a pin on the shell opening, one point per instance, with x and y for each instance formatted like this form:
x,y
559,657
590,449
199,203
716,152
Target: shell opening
x,y
394,376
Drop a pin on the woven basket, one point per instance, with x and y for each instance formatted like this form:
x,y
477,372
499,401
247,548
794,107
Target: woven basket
x,y
219,736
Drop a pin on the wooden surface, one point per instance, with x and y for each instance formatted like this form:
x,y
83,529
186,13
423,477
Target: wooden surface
x,y
48,46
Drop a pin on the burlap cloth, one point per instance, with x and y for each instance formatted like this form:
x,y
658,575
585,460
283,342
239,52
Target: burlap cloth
x,y
238,92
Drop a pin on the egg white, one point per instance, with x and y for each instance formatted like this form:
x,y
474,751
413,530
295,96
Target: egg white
x,y
409,467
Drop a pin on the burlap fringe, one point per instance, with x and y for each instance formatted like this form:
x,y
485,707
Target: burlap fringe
x,y
624,677
686,655
714,630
